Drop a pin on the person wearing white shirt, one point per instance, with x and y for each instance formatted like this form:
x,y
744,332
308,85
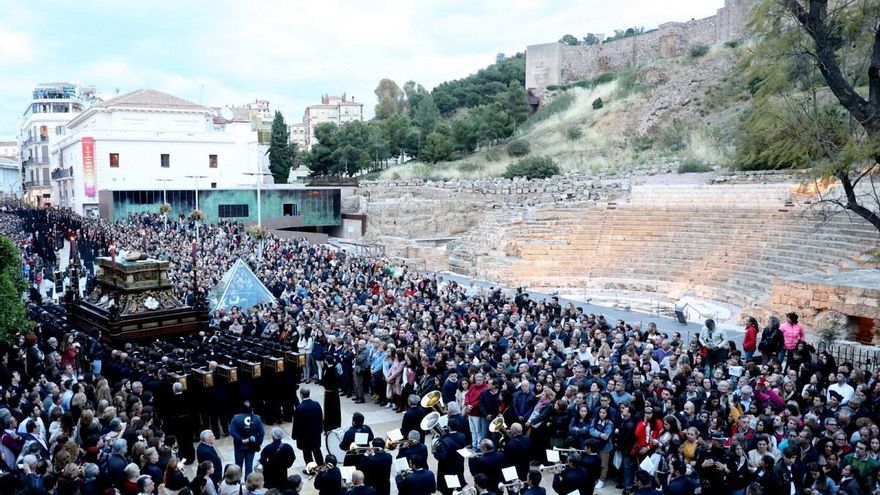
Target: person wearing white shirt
x,y
841,387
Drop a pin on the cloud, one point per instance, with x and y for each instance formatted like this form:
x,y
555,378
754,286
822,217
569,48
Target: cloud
x,y
15,47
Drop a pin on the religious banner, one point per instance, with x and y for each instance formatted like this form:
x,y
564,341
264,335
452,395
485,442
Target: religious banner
x,y
89,175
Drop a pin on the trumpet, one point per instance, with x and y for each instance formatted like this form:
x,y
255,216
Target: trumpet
x,y
465,490
569,451
514,486
355,449
552,468
313,468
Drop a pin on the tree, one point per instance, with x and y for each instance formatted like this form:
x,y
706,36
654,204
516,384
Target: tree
x,y
413,92
321,160
395,128
591,39
515,102
412,141
378,146
834,54
389,97
280,151
569,40
13,315
426,114
438,146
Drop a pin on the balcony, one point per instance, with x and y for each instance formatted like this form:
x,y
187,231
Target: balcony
x,y
62,173
31,184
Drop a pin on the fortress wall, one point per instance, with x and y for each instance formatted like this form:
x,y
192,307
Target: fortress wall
x,y
555,63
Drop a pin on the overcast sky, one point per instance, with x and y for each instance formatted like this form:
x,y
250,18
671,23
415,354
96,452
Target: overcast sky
x,y
288,52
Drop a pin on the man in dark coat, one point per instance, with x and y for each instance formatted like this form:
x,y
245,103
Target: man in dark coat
x,y
357,426
376,467
116,462
678,484
645,484
330,381
490,463
573,478
329,482
782,477
207,451
247,434
276,458
449,461
416,447
419,481
517,451
307,427
592,465
412,418
180,421
358,487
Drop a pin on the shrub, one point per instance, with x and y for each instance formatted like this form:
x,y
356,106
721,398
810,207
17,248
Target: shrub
x,y
731,44
518,147
574,133
691,166
699,50
598,103
640,143
558,105
534,167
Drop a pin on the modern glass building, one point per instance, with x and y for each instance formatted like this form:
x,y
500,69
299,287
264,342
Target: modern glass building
x,y
279,206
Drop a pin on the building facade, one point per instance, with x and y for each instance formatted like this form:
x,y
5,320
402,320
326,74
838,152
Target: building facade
x,y
147,139
334,109
42,126
10,177
9,149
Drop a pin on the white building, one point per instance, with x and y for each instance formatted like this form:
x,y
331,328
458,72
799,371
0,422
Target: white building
x,y
9,149
147,139
10,177
335,109
41,126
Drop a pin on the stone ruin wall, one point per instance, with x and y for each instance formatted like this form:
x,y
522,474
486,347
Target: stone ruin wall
x,y
555,63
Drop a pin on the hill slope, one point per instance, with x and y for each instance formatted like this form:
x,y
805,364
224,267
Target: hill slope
x,y
674,111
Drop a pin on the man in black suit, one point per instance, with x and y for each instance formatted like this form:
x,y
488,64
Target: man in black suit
x,y
329,482
678,484
376,467
533,486
592,465
517,451
276,458
419,481
417,448
573,478
308,420
412,418
207,451
454,411
358,487
357,426
490,463
449,461
645,484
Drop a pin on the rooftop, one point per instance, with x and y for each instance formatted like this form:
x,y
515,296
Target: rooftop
x,y
150,98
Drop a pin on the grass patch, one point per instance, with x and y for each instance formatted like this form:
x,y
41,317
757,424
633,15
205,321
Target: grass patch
x,y
560,104
692,166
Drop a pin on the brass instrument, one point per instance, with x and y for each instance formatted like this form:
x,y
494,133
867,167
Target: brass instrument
x,y
431,423
514,486
433,400
355,449
465,490
313,469
391,444
552,468
569,451
498,426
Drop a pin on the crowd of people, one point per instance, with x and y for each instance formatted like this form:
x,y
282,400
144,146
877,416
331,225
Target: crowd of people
x,y
643,408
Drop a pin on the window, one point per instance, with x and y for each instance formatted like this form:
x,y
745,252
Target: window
x,y
232,211
213,185
59,130
212,161
165,160
114,160
291,210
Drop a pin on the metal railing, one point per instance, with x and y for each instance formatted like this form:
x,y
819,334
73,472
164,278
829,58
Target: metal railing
x,y
62,173
863,357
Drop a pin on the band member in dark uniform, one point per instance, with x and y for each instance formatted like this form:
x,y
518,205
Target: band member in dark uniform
x,y
307,427
376,466
412,418
415,447
329,482
449,461
357,426
574,477
419,481
358,487
517,451
490,463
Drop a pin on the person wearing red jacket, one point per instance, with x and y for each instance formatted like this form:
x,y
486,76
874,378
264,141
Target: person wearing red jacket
x,y
472,408
647,431
750,341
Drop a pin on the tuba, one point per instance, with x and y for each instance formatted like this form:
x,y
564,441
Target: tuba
x,y
433,400
498,426
431,423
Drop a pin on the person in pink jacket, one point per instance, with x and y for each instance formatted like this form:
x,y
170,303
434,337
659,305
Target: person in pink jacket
x,y
792,333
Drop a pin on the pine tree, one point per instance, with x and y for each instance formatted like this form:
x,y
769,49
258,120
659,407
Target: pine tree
x,y
280,151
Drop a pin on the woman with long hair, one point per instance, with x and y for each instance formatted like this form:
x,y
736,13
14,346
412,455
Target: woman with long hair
x,y
601,429
305,344
739,476
817,482
579,428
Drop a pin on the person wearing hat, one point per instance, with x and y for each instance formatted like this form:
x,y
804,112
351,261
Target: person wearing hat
x,y
714,463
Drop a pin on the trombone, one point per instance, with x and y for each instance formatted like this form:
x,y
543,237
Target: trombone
x,y
569,451
313,468
403,443
356,449
433,400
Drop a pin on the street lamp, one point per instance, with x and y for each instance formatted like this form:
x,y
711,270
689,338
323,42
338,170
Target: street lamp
x,y
196,298
258,175
164,199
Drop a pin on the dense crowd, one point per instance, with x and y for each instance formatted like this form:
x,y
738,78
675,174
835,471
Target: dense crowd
x,y
644,407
